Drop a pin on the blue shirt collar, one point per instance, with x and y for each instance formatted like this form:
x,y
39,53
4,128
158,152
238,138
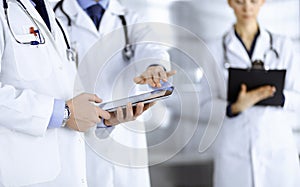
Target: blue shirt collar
x,y
84,4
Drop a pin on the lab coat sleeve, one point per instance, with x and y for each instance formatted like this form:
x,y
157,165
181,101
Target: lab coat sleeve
x,y
103,132
22,110
147,48
2,39
212,95
100,131
292,83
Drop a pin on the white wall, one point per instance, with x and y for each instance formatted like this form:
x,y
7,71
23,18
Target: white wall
x,y
280,16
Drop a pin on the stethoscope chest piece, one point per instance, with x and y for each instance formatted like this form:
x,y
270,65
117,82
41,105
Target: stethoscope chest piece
x,y
71,55
127,52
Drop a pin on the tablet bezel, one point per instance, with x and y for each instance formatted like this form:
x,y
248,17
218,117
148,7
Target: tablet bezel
x,y
148,97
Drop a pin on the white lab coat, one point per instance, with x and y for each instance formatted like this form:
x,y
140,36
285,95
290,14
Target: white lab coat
x,y
121,159
256,148
31,77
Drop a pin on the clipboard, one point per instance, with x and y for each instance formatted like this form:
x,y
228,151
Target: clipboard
x,y
255,78
148,97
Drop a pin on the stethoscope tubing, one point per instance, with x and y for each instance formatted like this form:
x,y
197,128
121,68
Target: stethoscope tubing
x,y
225,51
42,39
127,51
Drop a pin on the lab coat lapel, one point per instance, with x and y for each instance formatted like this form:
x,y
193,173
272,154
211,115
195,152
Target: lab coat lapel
x,y
237,51
116,8
113,11
55,30
35,15
85,22
79,17
262,44
39,20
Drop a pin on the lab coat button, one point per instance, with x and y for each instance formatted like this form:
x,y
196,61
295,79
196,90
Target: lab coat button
x,y
82,180
60,67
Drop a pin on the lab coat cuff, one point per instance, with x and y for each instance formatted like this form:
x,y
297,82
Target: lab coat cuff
x,y
283,100
102,131
57,114
102,125
163,85
157,65
229,111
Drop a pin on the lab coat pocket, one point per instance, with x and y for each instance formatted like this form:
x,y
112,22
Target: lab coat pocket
x,y
27,160
38,67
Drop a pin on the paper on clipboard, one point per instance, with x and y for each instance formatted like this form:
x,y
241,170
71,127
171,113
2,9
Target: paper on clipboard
x,y
254,78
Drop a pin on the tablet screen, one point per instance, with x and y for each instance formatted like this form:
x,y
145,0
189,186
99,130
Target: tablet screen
x,y
157,94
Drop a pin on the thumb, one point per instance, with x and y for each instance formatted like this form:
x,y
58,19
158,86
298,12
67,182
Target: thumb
x,y
94,98
243,88
171,73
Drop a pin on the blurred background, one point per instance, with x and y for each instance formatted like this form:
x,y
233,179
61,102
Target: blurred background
x,y
180,163
184,165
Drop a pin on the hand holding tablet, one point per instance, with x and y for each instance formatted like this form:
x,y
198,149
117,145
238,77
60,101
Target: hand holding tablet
x,y
148,97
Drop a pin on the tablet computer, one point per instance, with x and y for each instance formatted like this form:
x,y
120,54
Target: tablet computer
x,y
155,95
254,78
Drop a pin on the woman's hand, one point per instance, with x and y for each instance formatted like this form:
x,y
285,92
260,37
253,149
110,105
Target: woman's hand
x,y
247,99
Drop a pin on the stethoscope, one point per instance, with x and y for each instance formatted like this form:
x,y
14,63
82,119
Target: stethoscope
x,y
127,51
36,32
257,64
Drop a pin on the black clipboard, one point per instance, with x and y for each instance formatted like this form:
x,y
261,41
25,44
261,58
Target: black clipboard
x,y
255,78
157,94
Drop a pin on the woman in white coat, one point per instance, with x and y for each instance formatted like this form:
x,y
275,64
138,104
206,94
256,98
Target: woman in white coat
x,y
103,170
255,146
